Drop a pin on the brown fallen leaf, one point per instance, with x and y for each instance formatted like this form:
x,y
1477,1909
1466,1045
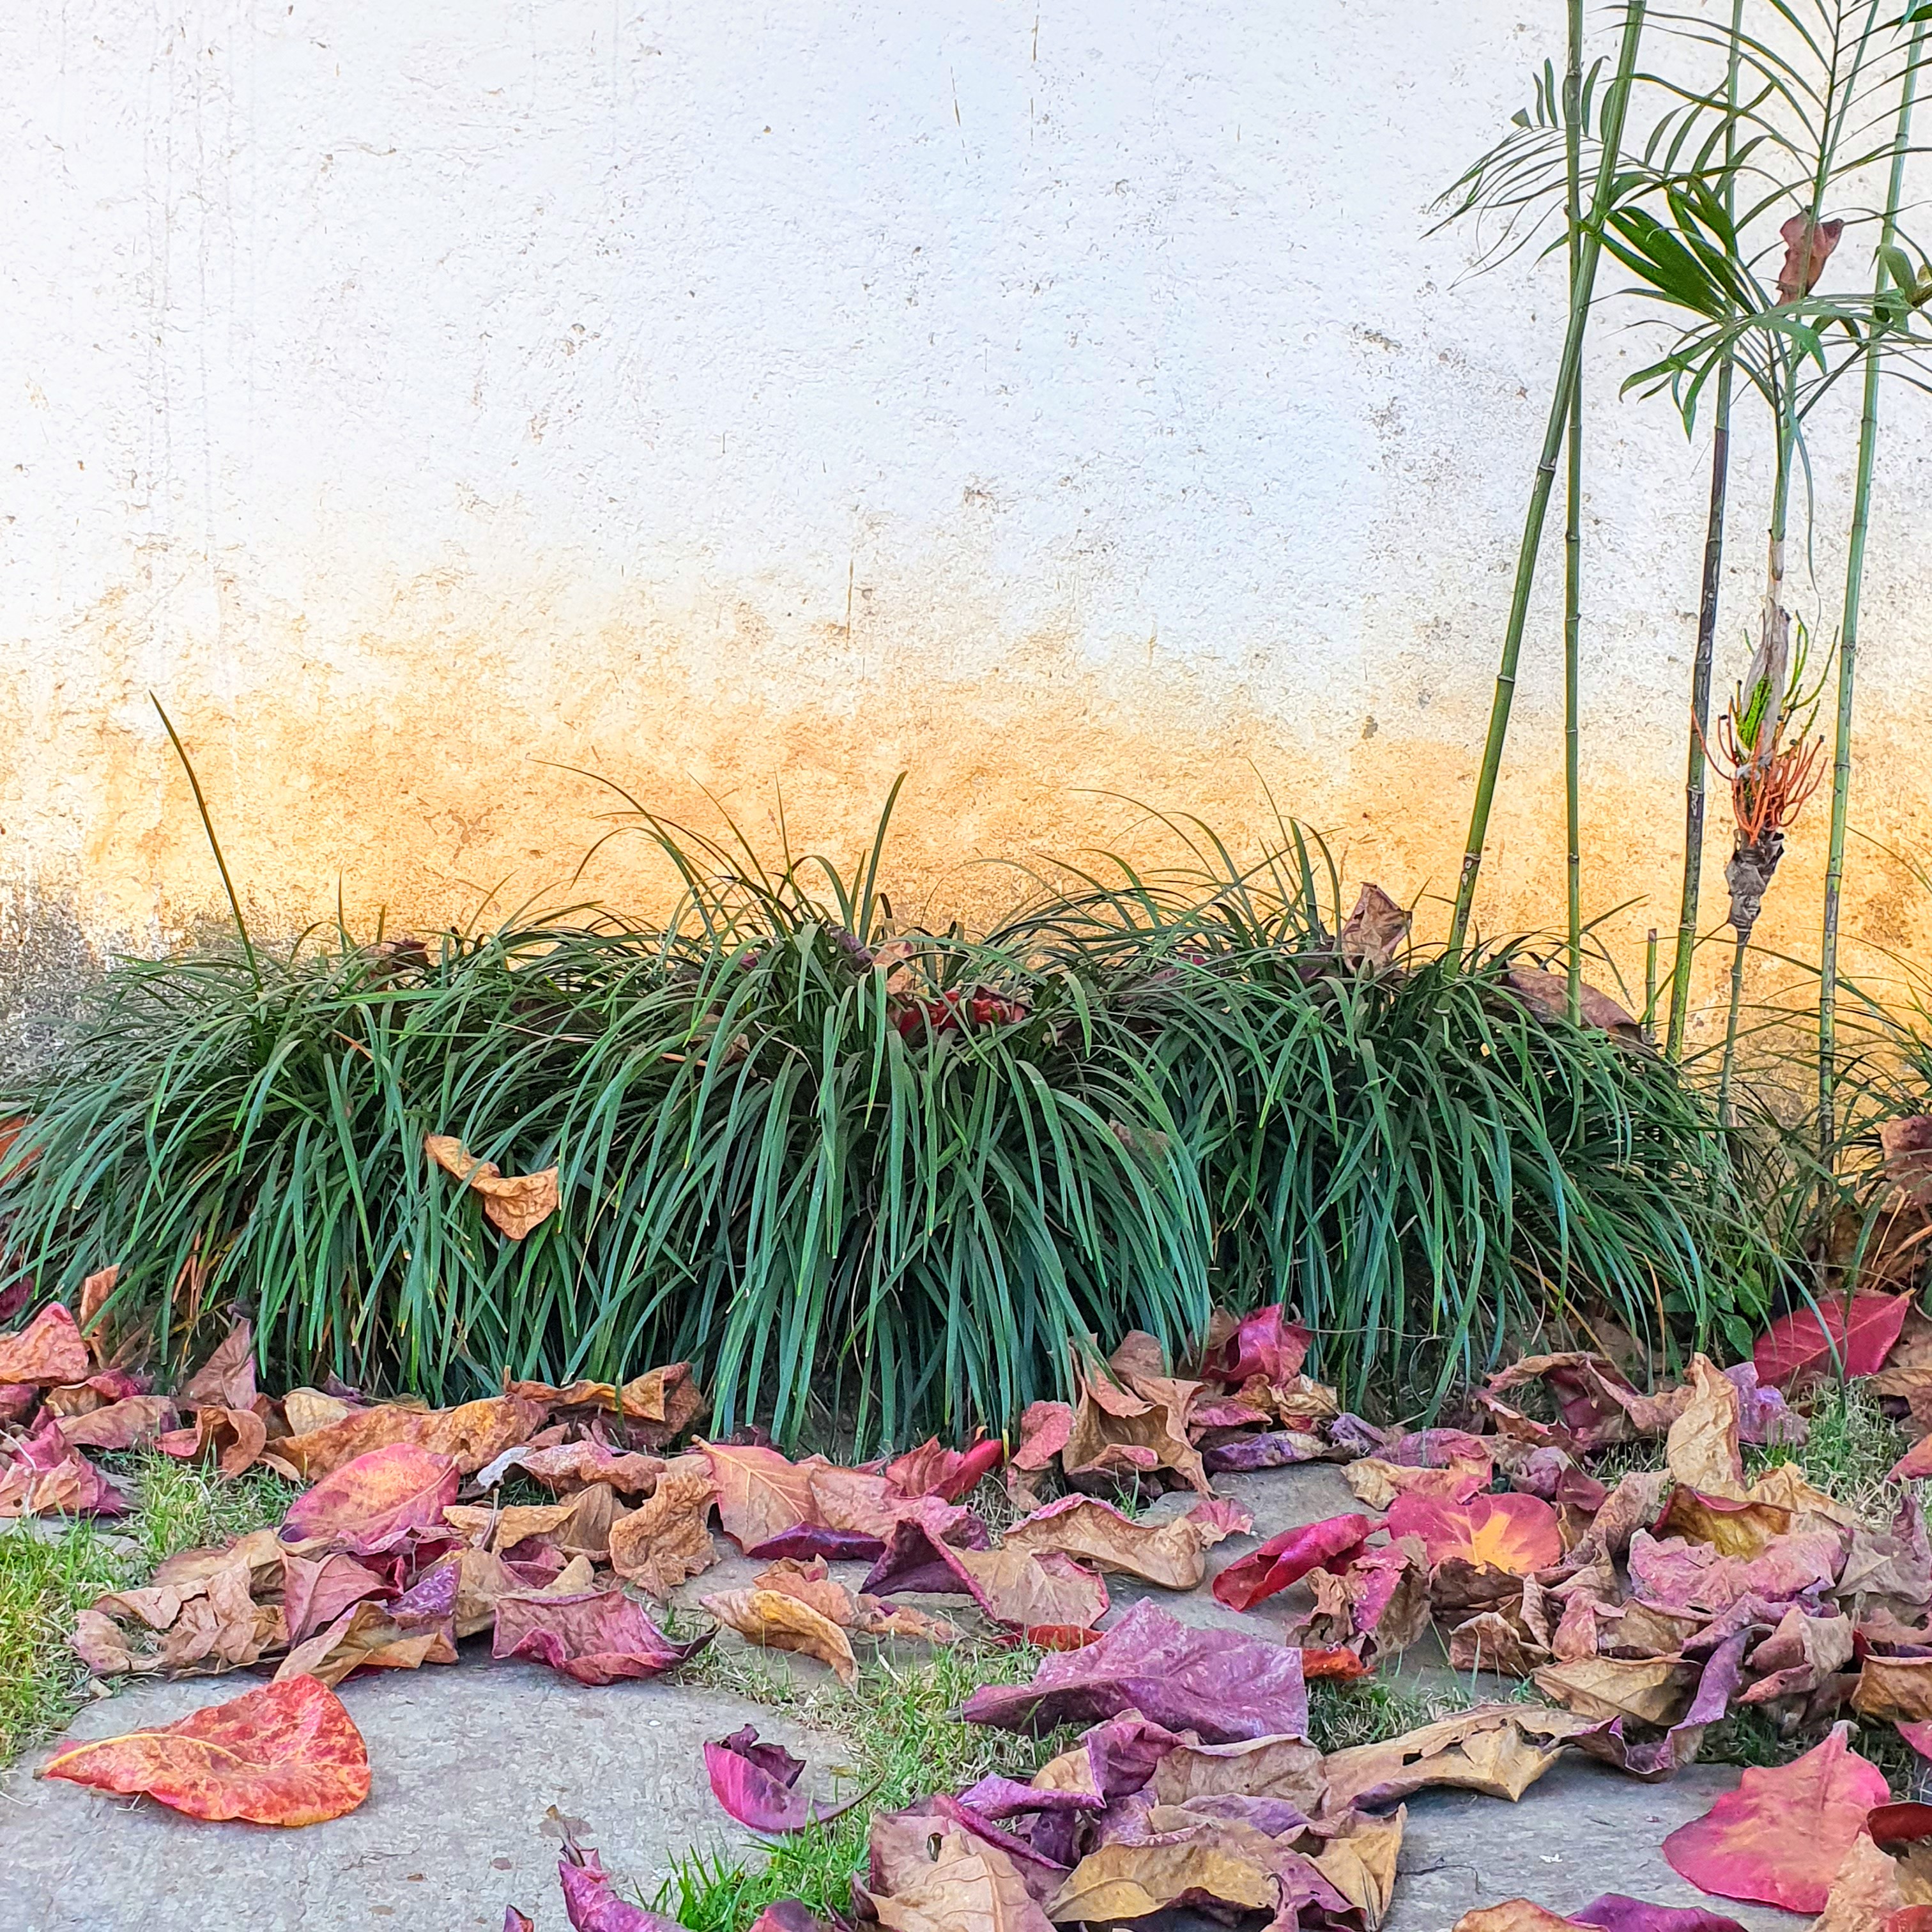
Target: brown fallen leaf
x,y
1894,1687
262,1550
226,1380
1652,1689
759,1493
1513,1915
1373,932
1701,1451
1493,1641
95,1292
661,1405
878,1618
664,1540
237,1436
516,1204
473,1434
1183,1859
810,1581
484,1527
972,1886
1865,1892
1285,1768
49,1349
1735,1528
569,1467
1360,1863
127,1424
1171,1554
1378,1482
1132,1430
364,1637
1498,1749
780,1621
307,1410
1799,1656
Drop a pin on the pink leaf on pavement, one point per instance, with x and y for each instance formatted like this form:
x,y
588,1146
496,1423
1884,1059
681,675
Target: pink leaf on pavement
x,y
1287,1558
758,1785
595,1637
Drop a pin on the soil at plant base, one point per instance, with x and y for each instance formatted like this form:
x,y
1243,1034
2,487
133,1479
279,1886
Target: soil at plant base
x,y
467,1762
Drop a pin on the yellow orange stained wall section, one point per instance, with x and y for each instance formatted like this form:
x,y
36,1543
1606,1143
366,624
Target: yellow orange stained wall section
x,y
1067,412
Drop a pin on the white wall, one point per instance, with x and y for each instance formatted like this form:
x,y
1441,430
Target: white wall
x,y
1049,399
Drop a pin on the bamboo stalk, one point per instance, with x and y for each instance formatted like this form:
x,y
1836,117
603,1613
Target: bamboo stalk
x,y
1848,639
1725,1116
1614,105
1650,984
1573,527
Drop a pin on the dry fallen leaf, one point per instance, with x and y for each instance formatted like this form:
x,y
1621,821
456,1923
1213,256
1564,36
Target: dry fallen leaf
x,y
1498,1749
375,1502
49,1349
760,1493
1170,1554
366,1637
1652,1689
971,1886
515,1204
1373,934
1701,1451
289,1754
780,1622
1360,1863
226,1380
665,1540
471,1434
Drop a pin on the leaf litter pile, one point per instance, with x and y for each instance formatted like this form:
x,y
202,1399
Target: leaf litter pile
x,y
1644,1610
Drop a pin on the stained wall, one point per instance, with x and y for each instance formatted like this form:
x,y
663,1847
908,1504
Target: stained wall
x,y
1065,404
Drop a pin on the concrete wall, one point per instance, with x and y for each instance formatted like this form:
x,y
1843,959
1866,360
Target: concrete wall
x,y
1053,401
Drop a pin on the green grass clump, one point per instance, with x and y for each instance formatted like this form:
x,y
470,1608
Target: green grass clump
x,y
897,1183
50,1572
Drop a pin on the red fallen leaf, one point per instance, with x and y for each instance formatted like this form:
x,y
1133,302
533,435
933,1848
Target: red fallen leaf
x,y
237,1435
1265,1343
1779,1837
375,1502
1047,1637
1044,1429
787,1914
49,1349
1800,1343
758,1785
589,1902
1908,1919
596,1636
289,1754
951,1474
1287,1558
45,1476
1514,1532
1221,1683
315,1592
1340,1666
1914,1463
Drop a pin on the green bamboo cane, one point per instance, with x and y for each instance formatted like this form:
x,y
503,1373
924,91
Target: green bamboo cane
x,y
1848,643
1614,105
1707,609
1573,525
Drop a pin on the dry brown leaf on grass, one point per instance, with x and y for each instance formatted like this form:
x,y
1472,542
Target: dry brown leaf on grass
x,y
516,1204
95,1291
200,1627
238,1436
971,1886
1895,1687
1701,1451
226,1380
1188,1859
1171,1554
471,1434
307,1410
665,1540
810,1581
876,1617
126,1424
1652,1689
780,1622
1735,1528
1501,1750
1130,1421
1373,932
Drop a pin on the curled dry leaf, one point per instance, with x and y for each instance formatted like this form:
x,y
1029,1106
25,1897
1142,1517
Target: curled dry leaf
x,y
1732,1527
1898,1687
1015,1586
757,1784
665,1540
972,1886
1651,1690
316,1591
1674,1575
589,1902
1373,932
127,1424
948,1473
1277,1449
782,1621
876,1619
237,1436
1701,1451
811,1582
567,1467
514,1203
661,1405
1220,1684
1779,1837
226,1380
1360,1863
1133,1425
289,1754
49,1349
472,1434
595,1637
1044,1430
1170,1554
1286,1558
1377,1482
1183,1860
375,1502
1288,1768
1501,1750
368,1636
1515,1533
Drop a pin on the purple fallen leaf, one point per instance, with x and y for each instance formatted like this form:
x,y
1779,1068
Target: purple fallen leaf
x,y
808,1539
1437,1448
1049,1870
787,1914
1276,1449
592,1906
595,1637
744,1781
1350,1432
1615,1912
1223,1685
996,1797
1764,1416
515,1920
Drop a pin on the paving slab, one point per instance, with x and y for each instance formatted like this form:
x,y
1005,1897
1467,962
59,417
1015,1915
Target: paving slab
x,y
465,1760
1580,1830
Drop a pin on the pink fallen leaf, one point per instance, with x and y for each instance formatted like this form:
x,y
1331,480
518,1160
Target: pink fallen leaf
x,y
1044,1429
595,1636
1222,1683
1615,1913
1265,1343
589,1902
375,1502
126,1424
1514,1532
1779,1837
1287,1558
49,1349
757,1784
1801,1344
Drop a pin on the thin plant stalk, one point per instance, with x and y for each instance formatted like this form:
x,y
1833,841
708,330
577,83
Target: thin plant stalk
x,y
1614,106
1709,592
1726,1113
1573,524
1848,641
1650,984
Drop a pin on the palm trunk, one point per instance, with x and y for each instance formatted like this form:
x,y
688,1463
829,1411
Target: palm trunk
x,y
1614,105
1572,531
1848,641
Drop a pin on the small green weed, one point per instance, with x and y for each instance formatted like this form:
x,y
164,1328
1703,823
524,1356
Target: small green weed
x,y
47,1579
